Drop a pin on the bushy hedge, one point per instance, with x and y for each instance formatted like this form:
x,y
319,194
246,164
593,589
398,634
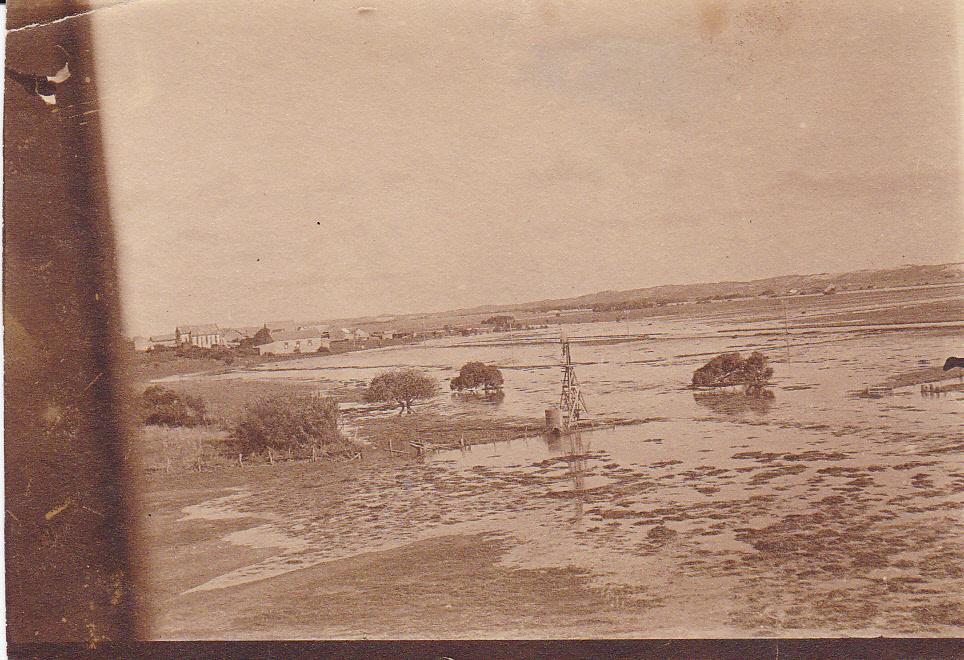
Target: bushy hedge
x,y
165,407
223,353
282,422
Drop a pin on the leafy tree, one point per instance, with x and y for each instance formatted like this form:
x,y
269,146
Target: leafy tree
x,y
473,375
288,422
261,337
401,386
165,407
732,369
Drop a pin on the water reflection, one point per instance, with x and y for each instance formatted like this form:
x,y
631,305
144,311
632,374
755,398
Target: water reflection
x,y
735,403
938,390
479,398
573,449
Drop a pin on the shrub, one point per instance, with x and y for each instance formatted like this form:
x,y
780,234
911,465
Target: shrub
x,y
401,386
213,353
283,422
165,407
732,369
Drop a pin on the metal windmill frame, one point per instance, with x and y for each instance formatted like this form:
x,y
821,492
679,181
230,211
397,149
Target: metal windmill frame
x,y
571,402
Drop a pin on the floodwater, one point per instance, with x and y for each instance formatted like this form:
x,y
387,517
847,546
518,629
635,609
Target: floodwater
x,y
811,512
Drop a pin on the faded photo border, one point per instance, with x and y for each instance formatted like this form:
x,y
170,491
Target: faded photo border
x,y
72,588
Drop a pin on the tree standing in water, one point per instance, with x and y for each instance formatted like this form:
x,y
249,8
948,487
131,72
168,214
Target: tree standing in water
x,y
401,386
477,374
729,369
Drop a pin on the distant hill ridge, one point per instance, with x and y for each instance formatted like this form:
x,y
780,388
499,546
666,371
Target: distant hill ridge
x,y
902,276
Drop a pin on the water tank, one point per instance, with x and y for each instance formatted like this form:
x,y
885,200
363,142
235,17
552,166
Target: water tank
x,y
554,420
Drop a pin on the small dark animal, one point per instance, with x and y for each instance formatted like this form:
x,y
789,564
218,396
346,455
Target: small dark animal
x,y
953,363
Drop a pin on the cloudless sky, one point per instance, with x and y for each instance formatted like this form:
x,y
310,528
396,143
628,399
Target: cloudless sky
x,y
321,159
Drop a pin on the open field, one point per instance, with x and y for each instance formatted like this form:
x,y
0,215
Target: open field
x,y
817,512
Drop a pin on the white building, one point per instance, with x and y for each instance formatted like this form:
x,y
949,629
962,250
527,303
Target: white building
x,y
202,336
295,341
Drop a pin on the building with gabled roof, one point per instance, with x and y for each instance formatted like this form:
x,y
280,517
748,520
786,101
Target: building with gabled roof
x,y
205,335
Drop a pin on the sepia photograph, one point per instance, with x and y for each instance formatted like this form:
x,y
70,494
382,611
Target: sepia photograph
x,y
528,320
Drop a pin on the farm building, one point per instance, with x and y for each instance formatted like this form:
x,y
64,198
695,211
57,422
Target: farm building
x,y
295,341
141,343
202,336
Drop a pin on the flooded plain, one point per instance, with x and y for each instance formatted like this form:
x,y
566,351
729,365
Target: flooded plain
x,y
814,512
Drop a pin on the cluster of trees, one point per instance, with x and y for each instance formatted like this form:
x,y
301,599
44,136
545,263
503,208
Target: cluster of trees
x,y
624,305
474,375
294,423
733,369
165,407
500,321
402,387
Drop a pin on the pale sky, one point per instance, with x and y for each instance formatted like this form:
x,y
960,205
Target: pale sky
x,y
304,159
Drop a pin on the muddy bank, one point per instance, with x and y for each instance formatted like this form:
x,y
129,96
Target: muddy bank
x,y
726,533
424,590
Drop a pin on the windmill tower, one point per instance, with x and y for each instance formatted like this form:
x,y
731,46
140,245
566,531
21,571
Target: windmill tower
x,y
571,403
